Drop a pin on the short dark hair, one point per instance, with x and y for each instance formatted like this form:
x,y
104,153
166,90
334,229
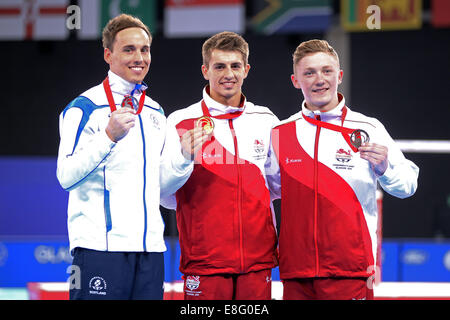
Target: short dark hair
x,y
226,41
120,23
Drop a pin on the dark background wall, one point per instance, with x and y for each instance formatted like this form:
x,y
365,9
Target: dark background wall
x,y
401,78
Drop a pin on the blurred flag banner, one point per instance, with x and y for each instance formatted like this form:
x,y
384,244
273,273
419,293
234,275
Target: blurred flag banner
x,y
394,14
33,19
95,14
201,18
288,16
440,13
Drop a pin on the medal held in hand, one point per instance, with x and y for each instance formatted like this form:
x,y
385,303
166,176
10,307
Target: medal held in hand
x,y
128,101
354,137
358,137
206,123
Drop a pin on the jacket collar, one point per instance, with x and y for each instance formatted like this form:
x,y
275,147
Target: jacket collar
x,y
216,108
123,87
334,113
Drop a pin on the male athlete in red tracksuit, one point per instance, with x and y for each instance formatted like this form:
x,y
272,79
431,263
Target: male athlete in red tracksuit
x,y
213,167
326,171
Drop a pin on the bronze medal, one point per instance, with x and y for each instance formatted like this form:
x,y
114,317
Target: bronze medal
x,y
358,137
206,123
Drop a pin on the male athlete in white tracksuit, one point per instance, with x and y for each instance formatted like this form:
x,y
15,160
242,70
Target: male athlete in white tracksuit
x,y
324,164
112,136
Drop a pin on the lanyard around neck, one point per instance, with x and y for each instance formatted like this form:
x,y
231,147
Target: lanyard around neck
x,y
208,124
112,104
231,115
346,132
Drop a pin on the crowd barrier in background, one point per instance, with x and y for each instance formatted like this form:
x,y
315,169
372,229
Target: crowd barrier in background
x,y
24,261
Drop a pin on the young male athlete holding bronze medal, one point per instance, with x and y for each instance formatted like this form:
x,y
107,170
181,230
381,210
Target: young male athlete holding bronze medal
x,y
112,136
214,166
324,164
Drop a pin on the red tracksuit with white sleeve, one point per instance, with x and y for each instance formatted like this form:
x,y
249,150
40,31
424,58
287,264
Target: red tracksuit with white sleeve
x,y
328,193
225,220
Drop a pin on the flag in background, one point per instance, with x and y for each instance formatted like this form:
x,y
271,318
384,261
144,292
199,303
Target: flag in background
x,y
395,14
95,14
199,18
290,16
440,13
33,19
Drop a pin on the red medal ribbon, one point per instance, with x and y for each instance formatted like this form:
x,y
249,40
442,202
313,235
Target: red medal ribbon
x,y
346,132
112,104
231,115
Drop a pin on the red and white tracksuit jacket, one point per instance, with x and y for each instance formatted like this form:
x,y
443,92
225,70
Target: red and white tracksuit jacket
x,y
225,219
328,194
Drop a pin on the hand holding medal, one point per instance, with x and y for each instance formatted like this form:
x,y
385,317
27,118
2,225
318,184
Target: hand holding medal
x,y
377,155
122,120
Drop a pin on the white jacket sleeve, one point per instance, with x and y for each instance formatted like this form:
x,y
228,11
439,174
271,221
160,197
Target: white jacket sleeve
x,y
272,171
76,159
400,177
175,169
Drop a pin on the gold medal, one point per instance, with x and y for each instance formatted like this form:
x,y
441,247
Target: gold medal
x,y
206,124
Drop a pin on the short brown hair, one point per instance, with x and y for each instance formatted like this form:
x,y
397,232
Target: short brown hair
x,y
313,46
120,23
226,41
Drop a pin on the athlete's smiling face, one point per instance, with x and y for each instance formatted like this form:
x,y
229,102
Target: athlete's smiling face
x,y
226,72
130,56
318,76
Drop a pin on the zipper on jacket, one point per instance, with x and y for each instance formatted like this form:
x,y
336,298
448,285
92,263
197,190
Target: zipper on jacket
x,y
144,240
316,195
239,191
107,208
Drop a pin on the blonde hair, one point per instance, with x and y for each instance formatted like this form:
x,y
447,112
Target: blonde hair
x,y
226,41
118,24
313,46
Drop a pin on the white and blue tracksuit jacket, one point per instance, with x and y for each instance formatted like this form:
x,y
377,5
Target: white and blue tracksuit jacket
x,y
114,187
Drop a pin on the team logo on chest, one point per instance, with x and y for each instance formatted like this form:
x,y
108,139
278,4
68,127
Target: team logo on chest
x,y
343,158
259,148
155,121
